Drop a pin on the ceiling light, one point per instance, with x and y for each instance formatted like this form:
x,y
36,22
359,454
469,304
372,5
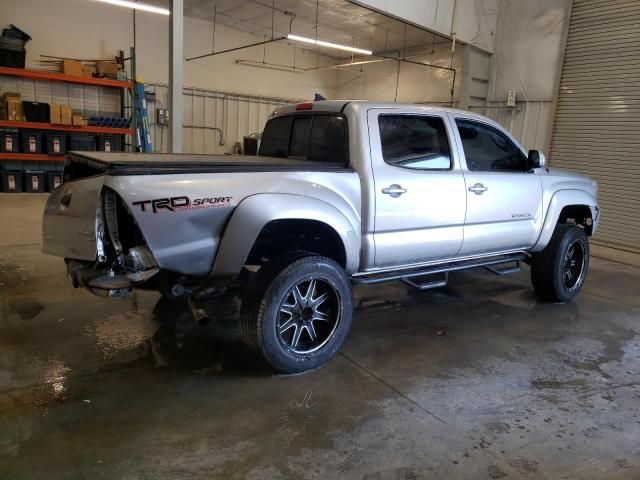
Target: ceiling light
x,y
137,6
322,43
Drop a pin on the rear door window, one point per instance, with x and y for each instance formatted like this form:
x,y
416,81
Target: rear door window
x,y
320,138
417,142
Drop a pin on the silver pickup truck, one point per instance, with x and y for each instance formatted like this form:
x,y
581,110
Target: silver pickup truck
x,y
341,194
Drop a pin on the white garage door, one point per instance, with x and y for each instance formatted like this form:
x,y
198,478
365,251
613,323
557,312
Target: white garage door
x,y
597,123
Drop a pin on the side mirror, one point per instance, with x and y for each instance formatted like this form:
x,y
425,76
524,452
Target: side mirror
x,y
536,159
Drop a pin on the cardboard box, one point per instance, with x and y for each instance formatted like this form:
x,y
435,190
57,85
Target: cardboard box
x,y
87,72
107,68
72,68
55,114
66,116
13,105
77,120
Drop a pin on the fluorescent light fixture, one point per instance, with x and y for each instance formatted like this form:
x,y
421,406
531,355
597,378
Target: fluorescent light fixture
x,y
137,6
322,43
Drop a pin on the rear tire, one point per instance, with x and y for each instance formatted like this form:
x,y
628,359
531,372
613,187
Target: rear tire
x,y
558,272
298,312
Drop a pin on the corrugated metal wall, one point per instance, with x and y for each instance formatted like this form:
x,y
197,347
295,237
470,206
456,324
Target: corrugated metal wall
x,y
210,115
598,113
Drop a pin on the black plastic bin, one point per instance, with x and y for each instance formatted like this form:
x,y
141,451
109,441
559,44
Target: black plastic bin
x,y
15,32
82,142
34,181
109,143
54,180
36,112
56,143
12,52
9,140
31,141
11,181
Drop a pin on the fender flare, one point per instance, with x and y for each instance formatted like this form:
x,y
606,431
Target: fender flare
x,y
254,212
559,200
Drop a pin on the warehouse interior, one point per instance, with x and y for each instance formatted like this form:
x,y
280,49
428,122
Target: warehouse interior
x,y
479,379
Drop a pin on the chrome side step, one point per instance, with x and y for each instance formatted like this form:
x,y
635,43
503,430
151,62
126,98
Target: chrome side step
x,y
406,275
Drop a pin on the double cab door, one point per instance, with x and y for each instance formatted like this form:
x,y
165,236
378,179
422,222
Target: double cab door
x,y
431,204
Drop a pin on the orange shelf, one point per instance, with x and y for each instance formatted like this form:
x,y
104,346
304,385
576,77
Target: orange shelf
x,y
64,128
59,77
35,157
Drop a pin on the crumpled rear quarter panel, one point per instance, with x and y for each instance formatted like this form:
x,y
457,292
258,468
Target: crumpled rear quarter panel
x,y
186,239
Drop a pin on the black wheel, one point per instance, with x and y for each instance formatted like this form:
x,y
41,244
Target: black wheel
x,y
559,271
298,312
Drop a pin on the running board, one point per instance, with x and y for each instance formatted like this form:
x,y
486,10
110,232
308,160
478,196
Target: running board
x,y
427,285
504,271
406,275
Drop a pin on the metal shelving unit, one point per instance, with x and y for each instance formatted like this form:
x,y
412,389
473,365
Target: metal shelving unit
x,y
127,94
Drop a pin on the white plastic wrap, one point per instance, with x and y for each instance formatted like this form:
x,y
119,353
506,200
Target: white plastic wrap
x,y
475,23
475,20
527,56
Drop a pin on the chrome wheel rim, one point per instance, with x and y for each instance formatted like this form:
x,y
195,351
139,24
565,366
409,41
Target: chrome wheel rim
x,y
308,316
573,266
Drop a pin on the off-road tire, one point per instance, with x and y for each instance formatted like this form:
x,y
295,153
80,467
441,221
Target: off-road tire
x,y
263,299
548,267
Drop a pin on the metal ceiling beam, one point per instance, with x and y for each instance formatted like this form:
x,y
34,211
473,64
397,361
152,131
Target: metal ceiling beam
x,y
176,54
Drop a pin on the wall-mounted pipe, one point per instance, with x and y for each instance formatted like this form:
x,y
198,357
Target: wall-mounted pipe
x,y
204,127
235,49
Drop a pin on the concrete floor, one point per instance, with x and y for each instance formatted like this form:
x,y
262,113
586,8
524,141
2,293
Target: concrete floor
x,y
474,381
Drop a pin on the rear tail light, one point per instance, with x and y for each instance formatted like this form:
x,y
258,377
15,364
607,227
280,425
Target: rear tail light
x,y
304,106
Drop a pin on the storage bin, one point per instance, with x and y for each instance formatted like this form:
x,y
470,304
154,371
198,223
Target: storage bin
x,y
54,180
82,142
36,112
11,181
12,52
31,141
9,140
56,143
34,181
15,32
109,143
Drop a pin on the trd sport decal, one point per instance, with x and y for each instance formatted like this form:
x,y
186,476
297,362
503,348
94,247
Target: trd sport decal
x,y
181,203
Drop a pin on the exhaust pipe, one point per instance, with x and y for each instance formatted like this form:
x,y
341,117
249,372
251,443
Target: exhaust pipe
x,y
199,315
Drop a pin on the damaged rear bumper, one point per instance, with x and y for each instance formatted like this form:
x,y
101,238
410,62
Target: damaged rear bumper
x,y
90,226
138,267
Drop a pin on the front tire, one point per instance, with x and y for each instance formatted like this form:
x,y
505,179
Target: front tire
x,y
558,272
298,312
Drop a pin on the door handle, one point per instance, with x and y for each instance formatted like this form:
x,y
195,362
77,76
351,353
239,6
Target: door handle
x,y
478,189
394,190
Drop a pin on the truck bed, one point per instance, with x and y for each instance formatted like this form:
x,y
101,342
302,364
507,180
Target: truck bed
x,y
171,163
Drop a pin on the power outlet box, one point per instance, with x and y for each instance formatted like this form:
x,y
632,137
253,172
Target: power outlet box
x,y
163,116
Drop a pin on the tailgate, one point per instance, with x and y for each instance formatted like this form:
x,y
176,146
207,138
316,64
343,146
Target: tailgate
x,y
70,219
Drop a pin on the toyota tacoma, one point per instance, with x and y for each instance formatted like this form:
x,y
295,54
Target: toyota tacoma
x,y
342,193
